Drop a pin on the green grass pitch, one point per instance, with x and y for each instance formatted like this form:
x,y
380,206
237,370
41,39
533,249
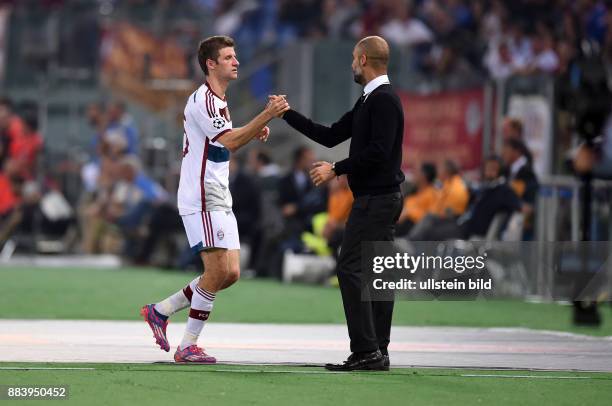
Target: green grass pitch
x,y
133,384
118,294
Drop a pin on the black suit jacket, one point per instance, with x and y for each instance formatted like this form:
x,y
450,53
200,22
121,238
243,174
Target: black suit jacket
x,y
376,127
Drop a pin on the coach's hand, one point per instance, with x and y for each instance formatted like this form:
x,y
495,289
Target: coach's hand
x,y
277,106
321,173
264,134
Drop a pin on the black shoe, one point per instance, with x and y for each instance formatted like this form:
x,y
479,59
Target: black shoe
x,y
368,361
386,362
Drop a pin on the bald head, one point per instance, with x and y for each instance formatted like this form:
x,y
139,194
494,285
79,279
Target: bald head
x,y
376,51
370,59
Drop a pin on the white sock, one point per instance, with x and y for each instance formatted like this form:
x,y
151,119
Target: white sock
x,y
178,301
201,306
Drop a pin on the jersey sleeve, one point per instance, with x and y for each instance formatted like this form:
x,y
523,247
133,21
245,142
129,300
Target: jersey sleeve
x,y
212,124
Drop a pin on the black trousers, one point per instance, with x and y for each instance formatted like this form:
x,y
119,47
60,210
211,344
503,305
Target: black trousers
x,y
372,218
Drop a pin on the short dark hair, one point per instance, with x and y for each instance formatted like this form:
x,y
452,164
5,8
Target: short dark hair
x,y
451,167
264,157
516,125
210,47
298,153
30,118
516,144
429,170
500,163
6,102
520,146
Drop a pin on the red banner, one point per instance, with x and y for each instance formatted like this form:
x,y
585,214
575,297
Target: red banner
x,y
443,125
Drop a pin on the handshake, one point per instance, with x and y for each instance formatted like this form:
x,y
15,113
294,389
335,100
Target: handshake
x,y
321,172
276,107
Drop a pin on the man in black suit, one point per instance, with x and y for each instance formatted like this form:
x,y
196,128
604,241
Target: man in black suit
x,y
376,126
523,180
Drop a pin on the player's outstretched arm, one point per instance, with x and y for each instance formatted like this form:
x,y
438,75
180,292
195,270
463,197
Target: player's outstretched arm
x,y
327,136
240,136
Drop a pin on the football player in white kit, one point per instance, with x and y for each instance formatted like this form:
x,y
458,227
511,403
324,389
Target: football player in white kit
x,y
204,199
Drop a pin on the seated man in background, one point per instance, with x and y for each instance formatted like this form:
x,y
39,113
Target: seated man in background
x,y
451,202
338,210
454,196
495,196
419,204
132,201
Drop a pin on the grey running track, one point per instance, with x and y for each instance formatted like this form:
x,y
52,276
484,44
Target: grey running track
x,y
131,341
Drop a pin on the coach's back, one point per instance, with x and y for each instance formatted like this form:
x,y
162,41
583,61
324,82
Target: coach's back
x,y
375,167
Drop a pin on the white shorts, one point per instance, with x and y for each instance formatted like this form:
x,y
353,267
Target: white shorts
x,y
211,229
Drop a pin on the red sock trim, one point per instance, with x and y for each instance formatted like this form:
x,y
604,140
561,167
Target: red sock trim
x,y
188,292
199,314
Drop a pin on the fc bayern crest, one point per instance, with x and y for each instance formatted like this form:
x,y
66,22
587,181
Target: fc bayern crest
x,y
218,123
220,234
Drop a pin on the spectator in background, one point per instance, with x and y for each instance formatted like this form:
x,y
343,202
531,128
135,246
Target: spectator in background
x,y
97,120
421,203
247,208
519,43
121,122
26,148
492,21
299,201
373,16
11,128
339,17
495,196
451,202
298,18
512,128
403,28
543,58
11,184
454,196
522,178
261,165
267,177
19,201
134,197
338,209
99,180
293,188
498,61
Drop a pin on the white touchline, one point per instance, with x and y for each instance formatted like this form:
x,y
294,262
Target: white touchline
x,y
525,376
45,368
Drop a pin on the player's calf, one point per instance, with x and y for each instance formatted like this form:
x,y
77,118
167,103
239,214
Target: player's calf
x,y
232,277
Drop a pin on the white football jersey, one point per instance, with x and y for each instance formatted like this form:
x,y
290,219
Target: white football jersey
x,y
204,182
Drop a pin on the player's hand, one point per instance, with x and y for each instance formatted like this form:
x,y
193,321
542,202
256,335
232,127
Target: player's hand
x,y
277,105
264,134
321,173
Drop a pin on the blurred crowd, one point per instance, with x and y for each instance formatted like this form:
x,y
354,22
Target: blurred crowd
x,y
443,205
30,202
470,37
462,37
